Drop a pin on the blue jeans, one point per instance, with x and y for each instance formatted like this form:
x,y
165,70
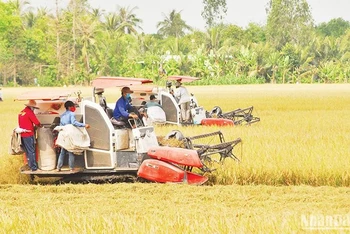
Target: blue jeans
x,y
29,148
61,159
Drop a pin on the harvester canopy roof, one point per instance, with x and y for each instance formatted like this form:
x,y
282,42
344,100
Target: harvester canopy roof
x,y
45,95
147,88
183,79
107,82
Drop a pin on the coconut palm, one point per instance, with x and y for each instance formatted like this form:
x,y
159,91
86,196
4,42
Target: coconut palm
x,y
29,19
213,37
19,6
128,22
97,13
173,25
42,11
87,28
111,22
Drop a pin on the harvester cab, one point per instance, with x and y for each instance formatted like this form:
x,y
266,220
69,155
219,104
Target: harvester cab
x,y
169,111
199,116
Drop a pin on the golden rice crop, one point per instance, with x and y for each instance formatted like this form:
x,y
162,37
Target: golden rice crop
x,y
302,137
165,208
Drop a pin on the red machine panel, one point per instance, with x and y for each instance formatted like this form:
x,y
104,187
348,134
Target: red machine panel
x,y
163,172
217,121
185,157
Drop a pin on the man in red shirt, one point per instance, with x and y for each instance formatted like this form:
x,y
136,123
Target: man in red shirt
x,y
26,121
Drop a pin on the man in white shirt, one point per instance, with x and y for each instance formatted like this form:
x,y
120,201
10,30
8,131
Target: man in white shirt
x,y
184,99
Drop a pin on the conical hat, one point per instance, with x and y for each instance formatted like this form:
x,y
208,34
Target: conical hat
x,y
31,103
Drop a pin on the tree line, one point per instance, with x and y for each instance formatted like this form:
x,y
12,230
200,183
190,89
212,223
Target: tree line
x,y
74,45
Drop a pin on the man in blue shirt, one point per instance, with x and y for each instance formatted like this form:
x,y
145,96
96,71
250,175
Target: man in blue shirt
x,y
122,107
68,117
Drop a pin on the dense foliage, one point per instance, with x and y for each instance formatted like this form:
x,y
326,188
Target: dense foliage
x,y
75,44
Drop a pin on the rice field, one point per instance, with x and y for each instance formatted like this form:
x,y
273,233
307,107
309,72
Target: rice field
x,y
294,170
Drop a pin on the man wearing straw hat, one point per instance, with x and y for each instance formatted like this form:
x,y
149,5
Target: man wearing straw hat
x,y
184,101
26,121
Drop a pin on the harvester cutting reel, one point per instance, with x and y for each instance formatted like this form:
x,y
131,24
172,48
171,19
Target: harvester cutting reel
x,y
238,116
208,152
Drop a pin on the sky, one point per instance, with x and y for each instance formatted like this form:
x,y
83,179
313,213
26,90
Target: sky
x,y
240,12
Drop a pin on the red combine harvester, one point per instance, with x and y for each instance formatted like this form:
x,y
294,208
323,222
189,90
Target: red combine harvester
x,y
116,152
199,116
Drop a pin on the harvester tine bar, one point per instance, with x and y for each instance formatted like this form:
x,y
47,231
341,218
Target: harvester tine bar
x,y
218,146
238,112
224,153
188,143
254,120
210,152
205,135
246,111
224,149
231,113
222,139
228,153
205,169
238,122
235,157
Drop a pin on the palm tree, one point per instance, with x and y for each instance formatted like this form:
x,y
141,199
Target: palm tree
x,y
30,19
19,6
87,28
213,37
128,22
77,8
97,13
111,22
173,25
42,11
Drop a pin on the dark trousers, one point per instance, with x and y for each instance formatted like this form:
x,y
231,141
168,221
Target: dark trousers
x,y
29,148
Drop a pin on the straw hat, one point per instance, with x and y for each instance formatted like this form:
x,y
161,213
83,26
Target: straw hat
x,y
31,103
99,90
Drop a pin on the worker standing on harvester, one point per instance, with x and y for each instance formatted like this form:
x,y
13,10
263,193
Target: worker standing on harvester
x,y
26,121
68,117
184,100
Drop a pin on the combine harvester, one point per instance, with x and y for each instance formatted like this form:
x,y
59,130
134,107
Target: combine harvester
x,y
199,116
116,152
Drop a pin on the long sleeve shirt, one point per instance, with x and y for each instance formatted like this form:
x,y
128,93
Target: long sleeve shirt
x,y
182,95
152,103
68,117
121,108
27,120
